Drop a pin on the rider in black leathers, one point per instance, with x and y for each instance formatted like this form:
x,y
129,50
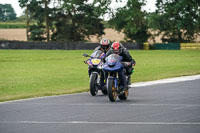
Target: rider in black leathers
x,y
118,48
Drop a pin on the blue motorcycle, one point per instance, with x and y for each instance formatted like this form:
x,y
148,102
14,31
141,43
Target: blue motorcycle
x,y
112,67
96,73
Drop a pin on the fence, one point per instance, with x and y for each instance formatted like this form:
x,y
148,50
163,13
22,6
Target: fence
x,y
59,45
168,46
91,46
190,46
173,46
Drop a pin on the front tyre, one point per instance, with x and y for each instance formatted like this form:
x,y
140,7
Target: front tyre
x,y
93,84
112,91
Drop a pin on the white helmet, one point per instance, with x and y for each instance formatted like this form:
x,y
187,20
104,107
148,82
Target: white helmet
x,y
105,43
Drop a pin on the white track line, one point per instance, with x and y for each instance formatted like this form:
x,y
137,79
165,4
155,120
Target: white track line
x,y
164,81
110,104
111,123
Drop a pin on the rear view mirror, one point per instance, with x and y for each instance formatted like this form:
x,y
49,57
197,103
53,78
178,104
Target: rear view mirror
x,y
85,55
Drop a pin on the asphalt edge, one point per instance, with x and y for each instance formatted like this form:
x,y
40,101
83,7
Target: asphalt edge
x,y
138,84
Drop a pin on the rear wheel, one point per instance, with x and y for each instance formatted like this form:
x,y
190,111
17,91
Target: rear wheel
x,y
93,84
104,90
124,95
112,91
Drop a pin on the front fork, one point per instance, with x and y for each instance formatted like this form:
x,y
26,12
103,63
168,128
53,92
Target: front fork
x,y
100,80
115,79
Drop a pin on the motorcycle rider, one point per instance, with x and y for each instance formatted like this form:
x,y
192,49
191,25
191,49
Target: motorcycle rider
x,y
104,45
129,62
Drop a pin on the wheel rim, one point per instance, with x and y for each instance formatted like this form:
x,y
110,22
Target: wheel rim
x,y
114,93
126,93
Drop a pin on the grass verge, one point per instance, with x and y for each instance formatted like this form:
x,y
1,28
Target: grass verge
x,y
36,73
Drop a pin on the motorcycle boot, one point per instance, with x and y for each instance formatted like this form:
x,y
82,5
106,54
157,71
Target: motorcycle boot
x,y
128,79
122,89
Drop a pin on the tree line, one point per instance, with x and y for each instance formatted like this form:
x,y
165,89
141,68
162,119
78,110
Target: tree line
x,y
7,13
76,20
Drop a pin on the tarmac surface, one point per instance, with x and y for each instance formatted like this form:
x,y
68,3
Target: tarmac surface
x,y
158,108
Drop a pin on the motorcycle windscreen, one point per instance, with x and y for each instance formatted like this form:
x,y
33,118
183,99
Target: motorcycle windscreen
x,y
113,59
97,54
113,63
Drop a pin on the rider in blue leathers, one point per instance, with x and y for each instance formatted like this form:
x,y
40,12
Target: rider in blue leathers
x,y
104,47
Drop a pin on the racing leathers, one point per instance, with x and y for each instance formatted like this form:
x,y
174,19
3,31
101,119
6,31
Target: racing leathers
x,y
129,62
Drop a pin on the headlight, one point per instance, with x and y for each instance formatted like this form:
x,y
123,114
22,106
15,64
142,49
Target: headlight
x,y
99,67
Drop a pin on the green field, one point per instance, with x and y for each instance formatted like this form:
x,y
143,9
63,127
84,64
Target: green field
x,y
36,73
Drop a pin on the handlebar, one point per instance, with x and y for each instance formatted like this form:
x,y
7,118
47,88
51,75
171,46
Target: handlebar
x,y
85,61
126,63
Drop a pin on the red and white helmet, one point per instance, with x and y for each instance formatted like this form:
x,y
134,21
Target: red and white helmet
x,y
105,43
116,48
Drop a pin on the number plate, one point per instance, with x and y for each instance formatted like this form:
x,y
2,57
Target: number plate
x,y
96,61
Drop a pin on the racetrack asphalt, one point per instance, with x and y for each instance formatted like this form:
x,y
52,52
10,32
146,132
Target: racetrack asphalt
x,y
157,108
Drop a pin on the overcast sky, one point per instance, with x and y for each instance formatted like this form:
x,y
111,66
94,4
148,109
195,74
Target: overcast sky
x,y
150,7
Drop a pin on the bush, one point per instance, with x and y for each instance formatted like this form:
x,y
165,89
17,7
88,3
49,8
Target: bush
x,y
11,25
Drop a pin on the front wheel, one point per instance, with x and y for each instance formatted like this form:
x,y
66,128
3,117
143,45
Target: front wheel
x,y
93,84
112,91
